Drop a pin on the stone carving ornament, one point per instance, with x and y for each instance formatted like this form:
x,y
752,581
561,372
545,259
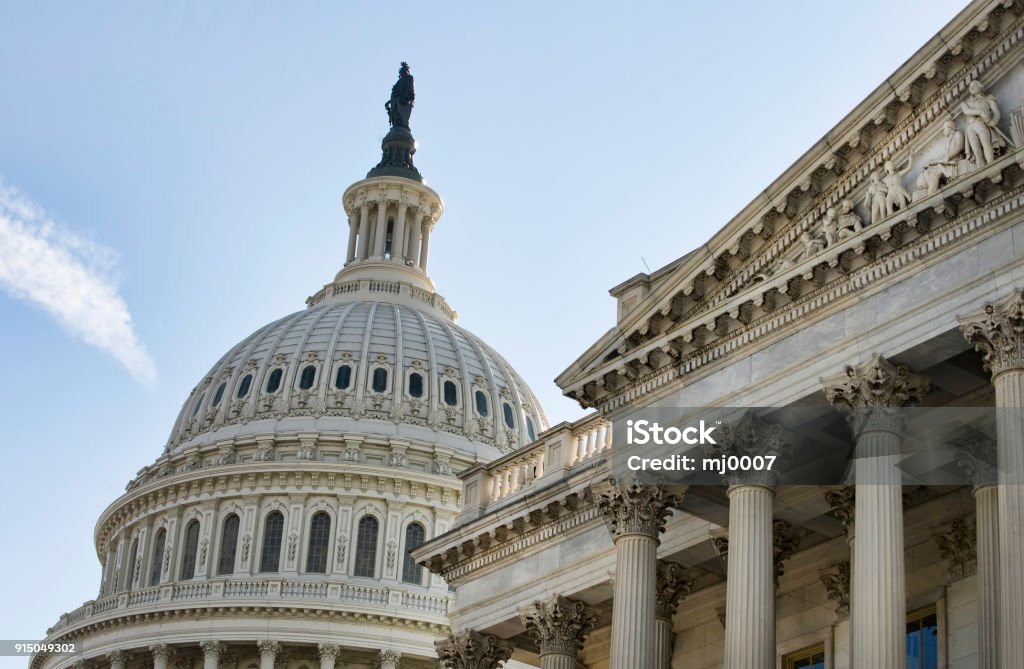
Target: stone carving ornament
x,y
472,650
958,545
632,508
930,180
896,196
837,586
998,333
981,129
872,394
672,587
559,625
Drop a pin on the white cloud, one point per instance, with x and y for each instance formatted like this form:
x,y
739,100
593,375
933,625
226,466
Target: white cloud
x,y
71,277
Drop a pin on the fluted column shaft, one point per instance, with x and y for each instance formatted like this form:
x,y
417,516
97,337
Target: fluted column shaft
x,y
750,588
663,638
412,252
425,244
1009,387
118,660
364,232
879,618
161,654
211,654
986,504
328,655
381,230
398,237
353,233
268,653
636,558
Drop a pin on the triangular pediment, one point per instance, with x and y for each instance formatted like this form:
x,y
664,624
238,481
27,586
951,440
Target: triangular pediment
x,y
885,178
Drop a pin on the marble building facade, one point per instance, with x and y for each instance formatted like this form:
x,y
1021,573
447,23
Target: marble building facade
x,y
884,269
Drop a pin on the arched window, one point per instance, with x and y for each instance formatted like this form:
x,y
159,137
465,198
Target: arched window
x,y
219,395
131,564
307,378
380,380
274,381
158,557
343,378
389,240
451,393
273,529
415,385
199,403
319,541
243,387
366,547
481,403
188,560
414,537
529,429
510,420
228,545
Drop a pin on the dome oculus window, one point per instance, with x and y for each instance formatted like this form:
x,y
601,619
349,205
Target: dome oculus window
x,y
219,395
451,393
343,378
380,380
274,380
510,420
307,378
243,387
416,385
481,403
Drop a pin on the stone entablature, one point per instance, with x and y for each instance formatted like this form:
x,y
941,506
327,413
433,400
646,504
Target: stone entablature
x,y
732,286
372,289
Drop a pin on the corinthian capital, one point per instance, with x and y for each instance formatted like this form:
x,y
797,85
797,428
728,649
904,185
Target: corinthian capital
x,y
672,587
328,651
753,436
559,625
472,650
161,651
267,647
872,393
214,648
631,508
997,332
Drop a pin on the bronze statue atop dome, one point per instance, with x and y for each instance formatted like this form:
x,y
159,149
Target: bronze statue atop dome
x,y
403,94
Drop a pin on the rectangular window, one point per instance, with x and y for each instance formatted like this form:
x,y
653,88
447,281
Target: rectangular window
x,y
923,639
807,658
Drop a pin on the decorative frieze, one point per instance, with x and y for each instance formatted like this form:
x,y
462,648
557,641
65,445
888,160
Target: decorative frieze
x,y
472,650
959,546
559,625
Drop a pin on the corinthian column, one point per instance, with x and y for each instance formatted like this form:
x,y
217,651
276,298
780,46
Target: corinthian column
x,y
872,396
268,653
472,650
998,333
161,655
211,653
636,516
328,655
559,627
672,587
118,659
389,659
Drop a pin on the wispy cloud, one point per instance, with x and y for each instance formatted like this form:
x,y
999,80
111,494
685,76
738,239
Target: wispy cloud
x,y
69,276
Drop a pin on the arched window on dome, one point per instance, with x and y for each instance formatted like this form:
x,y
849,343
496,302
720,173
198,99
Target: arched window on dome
x,y
529,429
415,535
228,545
319,542
198,404
132,555
159,543
506,411
380,380
243,387
416,385
188,560
343,378
451,393
219,395
273,530
274,380
366,547
481,403
308,377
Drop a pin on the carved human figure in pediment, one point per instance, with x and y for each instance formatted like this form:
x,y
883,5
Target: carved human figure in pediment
x,y
849,222
830,227
981,129
946,167
874,198
896,196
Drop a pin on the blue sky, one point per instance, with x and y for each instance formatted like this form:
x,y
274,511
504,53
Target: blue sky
x,y
177,168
